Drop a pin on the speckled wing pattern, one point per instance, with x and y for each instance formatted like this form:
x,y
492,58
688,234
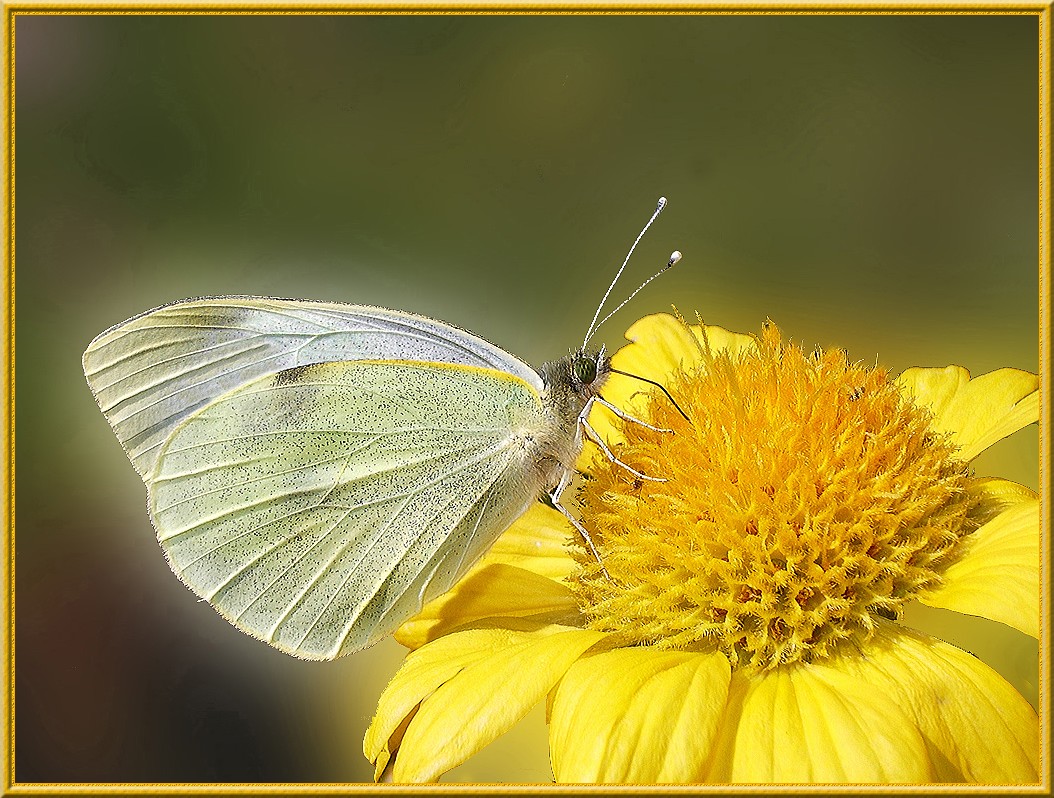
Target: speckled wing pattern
x,y
318,470
318,508
152,371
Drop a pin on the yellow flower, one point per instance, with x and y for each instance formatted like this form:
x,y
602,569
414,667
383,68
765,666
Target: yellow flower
x,y
744,625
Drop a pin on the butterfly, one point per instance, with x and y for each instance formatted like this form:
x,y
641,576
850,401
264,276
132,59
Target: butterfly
x,y
318,471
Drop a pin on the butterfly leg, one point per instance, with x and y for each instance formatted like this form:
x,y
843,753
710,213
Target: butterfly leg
x,y
594,436
556,497
627,417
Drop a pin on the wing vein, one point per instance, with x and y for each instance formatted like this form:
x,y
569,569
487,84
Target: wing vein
x,y
396,561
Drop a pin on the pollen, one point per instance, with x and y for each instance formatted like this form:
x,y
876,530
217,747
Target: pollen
x,y
806,498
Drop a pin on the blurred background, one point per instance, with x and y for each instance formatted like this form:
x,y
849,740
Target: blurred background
x,y
866,182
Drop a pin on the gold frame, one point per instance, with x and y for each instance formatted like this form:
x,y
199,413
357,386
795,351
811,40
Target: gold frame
x,y
11,10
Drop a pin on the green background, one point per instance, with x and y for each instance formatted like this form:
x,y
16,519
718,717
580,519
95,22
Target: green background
x,y
866,182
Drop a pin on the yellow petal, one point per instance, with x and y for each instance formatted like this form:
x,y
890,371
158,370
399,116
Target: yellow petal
x,y
422,672
389,747
977,727
819,724
485,698
520,576
979,411
934,387
662,343
720,339
994,496
659,345
998,575
637,715
495,590
538,541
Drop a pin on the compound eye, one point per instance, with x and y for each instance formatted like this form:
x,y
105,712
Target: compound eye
x,y
585,370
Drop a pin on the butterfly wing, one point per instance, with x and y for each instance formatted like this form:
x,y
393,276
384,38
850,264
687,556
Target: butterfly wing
x,y
320,507
152,371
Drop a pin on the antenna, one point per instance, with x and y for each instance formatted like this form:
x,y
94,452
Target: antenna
x,y
658,385
674,257
593,324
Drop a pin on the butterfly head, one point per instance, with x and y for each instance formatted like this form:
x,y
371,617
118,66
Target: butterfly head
x,y
573,380
588,370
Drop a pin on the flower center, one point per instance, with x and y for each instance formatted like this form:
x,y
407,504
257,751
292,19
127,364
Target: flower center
x,y
806,496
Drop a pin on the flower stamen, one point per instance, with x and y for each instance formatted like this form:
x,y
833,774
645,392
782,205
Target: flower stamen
x,y
807,498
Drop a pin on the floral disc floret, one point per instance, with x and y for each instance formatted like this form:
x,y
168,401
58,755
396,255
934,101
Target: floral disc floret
x,y
807,496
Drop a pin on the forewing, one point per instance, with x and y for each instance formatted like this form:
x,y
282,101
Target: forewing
x,y
154,370
320,507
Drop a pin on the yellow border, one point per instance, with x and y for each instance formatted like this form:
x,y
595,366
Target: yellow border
x,y
1045,414
8,382
1042,10
130,7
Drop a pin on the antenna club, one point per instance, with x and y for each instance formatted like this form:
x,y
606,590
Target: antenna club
x,y
674,257
661,205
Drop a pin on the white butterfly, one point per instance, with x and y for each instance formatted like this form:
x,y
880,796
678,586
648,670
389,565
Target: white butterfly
x,y
318,471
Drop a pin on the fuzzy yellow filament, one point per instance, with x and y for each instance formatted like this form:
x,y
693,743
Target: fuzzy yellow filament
x,y
806,496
